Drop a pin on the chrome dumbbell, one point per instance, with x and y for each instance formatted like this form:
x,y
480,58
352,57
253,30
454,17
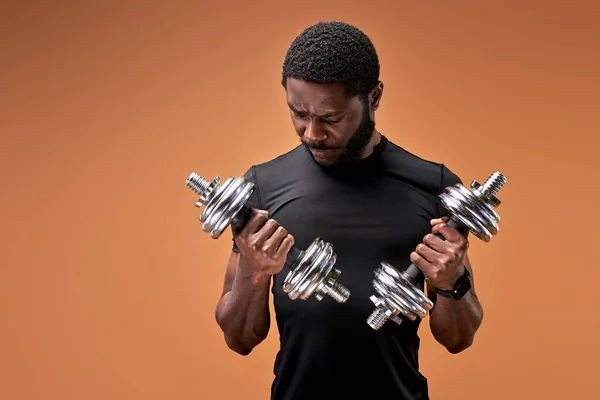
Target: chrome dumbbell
x,y
398,292
312,270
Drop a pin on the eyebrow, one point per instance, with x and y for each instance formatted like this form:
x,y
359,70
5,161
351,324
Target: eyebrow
x,y
323,114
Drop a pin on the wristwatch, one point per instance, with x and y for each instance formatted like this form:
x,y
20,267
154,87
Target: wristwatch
x,y
461,287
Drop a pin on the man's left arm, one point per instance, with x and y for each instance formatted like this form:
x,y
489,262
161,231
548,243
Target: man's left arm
x,y
453,322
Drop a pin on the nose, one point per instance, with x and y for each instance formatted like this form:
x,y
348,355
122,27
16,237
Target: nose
x,y
314,132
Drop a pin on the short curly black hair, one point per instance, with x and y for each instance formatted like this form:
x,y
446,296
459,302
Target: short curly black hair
x,y
333,52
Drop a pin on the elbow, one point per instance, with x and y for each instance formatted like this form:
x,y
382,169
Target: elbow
x,y
242,340
241,350
233,342
459,347
243,343
239,346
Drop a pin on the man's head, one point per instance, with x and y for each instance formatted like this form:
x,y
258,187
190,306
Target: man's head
x,y
331,77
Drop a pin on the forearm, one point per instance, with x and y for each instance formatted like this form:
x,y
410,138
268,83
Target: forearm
x,y
453,323
243,312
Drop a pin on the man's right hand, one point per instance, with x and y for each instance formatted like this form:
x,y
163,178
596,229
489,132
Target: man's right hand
x,y
264,245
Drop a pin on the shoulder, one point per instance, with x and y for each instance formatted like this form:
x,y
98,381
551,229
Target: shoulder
x,y
272,174
281,163
275,167
432,176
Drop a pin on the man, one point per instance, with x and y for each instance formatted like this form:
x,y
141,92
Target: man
x,y
374,201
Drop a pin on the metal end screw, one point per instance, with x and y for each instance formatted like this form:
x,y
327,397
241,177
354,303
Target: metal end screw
x,y
493,184
198,184
377,318
337,292
202,187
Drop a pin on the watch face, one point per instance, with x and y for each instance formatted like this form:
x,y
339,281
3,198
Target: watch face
x,y
463,285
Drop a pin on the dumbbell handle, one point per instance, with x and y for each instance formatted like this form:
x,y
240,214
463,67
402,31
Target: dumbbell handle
x,y
241,219
413,272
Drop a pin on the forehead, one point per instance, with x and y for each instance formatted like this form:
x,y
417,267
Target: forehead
x,y
318,97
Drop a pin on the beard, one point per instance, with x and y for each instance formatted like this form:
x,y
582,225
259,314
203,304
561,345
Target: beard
x,y
356,144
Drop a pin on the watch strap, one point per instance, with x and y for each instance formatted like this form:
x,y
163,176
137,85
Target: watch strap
x,y
462,286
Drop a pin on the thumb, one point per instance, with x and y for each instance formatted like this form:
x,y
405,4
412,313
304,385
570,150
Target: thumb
x,y
437,221
258,211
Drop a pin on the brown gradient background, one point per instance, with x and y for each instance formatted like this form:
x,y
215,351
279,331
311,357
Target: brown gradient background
x,y
107,283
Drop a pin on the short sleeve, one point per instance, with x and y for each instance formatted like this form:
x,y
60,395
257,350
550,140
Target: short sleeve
x,y
253,201
448,178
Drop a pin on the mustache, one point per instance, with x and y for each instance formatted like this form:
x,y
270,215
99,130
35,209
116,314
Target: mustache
x,y
318,146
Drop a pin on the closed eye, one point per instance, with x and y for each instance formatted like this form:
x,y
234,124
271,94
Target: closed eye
x,y
298,115
330,119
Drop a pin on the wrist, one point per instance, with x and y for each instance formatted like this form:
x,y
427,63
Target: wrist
x,y
460,288
248,273
253,278
449,285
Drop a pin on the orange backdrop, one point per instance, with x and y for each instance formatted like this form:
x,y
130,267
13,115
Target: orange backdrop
x,y
108,285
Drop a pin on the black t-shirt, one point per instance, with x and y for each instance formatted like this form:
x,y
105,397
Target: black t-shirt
x,y
377,209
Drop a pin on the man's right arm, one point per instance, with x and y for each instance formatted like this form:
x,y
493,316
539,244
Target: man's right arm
x,y
243,310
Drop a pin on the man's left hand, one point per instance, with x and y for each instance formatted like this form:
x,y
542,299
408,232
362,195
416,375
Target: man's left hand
x,y
441,261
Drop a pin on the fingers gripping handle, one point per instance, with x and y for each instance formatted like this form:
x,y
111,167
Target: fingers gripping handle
x,y
241,219
413,272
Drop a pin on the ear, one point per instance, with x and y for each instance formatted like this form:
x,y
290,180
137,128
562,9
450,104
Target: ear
x,y
375,97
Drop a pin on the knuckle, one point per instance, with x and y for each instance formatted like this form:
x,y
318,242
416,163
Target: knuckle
x,y
442,260
261,216
454,254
